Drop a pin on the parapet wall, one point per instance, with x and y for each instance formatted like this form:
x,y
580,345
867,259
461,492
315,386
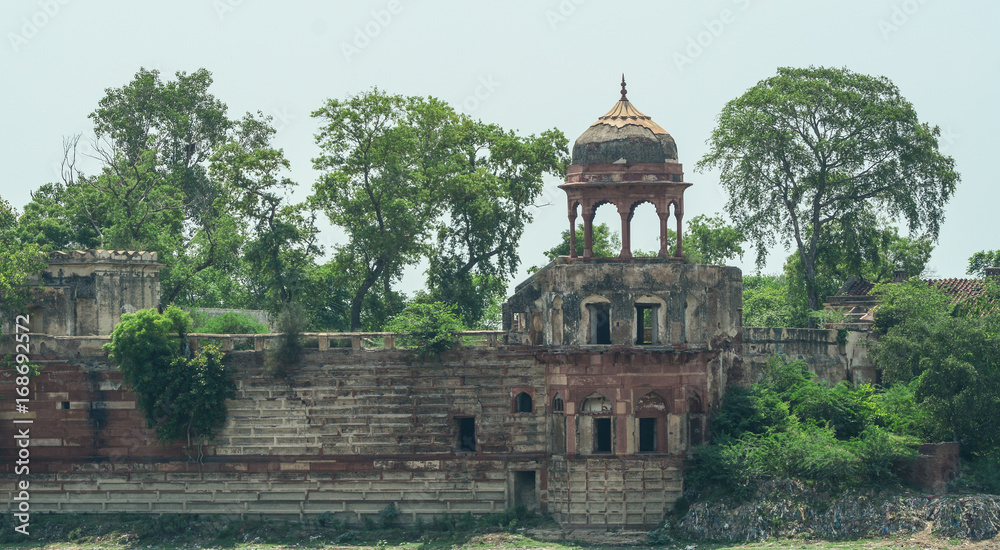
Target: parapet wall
x,y
833,354
348,433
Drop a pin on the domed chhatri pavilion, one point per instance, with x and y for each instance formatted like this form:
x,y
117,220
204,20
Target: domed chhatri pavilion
x,y
625,159
635,351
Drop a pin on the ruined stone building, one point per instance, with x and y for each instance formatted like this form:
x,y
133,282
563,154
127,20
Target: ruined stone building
x,y
585,406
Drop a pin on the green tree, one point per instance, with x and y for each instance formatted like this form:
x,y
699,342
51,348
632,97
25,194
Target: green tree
x,y
710,240
810,147
769,301
494,176
949,351
182,395
979,261
607,243
19,263
179,177
382,161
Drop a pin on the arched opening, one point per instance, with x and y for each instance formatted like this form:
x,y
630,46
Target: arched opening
x,y
644,229
604,213
522,403
596,403
557,404
575,245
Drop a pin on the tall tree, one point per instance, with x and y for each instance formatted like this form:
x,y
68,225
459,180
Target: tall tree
x,y
494,177
382,159
810,147
19,262
176,176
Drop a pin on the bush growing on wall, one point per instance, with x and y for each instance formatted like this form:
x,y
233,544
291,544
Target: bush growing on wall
x,y
789,426
429,328
182,394
288,347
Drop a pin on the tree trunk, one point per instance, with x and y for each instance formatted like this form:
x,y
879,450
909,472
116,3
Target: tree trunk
x,y
358,300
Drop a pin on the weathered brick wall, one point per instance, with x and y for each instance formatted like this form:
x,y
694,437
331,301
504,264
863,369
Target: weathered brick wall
x,y
833,355
347,433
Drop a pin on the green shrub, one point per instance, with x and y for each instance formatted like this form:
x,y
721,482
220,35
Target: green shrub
x,y
428,328
286,350
230,323
388,514
182,394
790,426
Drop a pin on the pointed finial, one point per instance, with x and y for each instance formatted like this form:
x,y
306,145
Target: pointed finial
x,y
624,91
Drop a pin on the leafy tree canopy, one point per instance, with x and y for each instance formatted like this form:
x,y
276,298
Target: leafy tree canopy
x,y
428,327
179,177
399,171
979,261
808,148
949,352
19,262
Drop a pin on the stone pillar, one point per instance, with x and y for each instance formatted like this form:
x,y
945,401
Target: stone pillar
x,y
679,252
626,234
588,235
664,248
572,233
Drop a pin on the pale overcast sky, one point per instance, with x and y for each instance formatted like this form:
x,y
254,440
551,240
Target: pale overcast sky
x,y
526,65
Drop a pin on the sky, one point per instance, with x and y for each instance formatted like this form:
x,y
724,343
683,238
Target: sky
x,y
525,65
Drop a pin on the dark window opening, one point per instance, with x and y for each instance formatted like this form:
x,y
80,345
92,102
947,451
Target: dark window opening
x,y
647,435
557,405
602,435
524,490
466,428
522,403
645,330
600,323
64,405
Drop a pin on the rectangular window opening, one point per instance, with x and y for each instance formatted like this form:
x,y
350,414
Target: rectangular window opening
x,y
602,435
465,428
647,435
646,325
600,323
